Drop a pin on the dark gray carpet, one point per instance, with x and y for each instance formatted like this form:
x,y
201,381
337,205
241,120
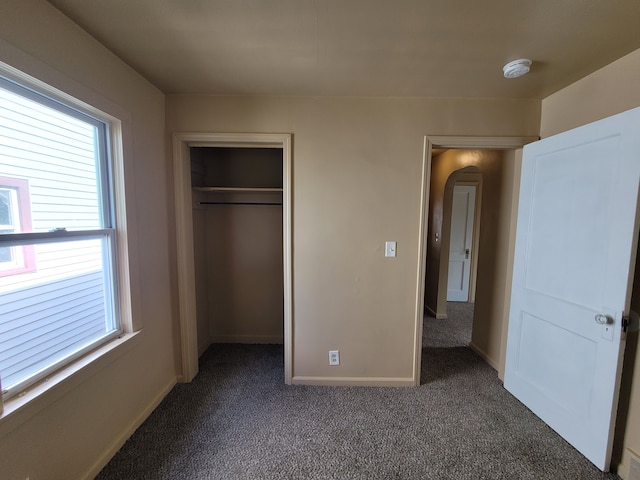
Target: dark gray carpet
x,y
237,420
453,331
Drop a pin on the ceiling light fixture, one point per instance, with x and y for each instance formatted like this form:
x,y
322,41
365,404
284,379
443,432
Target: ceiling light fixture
x,y
517,68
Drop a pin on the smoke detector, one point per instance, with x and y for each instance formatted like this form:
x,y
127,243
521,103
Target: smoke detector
x,y
517,68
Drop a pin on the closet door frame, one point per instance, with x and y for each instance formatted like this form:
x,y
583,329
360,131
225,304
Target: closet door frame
x,y
184,236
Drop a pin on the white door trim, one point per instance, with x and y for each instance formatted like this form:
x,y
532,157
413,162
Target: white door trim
x,y
184,236
431,142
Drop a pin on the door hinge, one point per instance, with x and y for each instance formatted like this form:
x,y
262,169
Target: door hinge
x,y
625,323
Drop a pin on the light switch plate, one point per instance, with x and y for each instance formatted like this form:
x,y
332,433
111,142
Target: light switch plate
x,y
390,249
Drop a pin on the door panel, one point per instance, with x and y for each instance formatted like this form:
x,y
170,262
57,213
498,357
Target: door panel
x,y
460,242
561,376
558,233
575,249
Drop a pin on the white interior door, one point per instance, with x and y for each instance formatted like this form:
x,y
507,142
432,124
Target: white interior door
x,y
575,252
461,240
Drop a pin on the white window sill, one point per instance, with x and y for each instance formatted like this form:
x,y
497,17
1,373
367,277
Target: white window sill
x,y
20,408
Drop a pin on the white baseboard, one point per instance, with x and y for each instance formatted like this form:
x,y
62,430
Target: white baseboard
x,y
354,381
437,316
629,467
279,339
119,442
484,356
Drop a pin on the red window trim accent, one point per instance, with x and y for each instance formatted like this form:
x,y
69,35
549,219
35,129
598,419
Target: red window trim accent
x,y
24,207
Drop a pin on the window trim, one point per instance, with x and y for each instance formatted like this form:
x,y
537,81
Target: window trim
x,y
21,186
20,408
123,300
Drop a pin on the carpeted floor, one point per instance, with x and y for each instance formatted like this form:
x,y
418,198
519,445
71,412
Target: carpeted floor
x,y
237,420
453,331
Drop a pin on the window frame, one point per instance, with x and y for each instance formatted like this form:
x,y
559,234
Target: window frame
x,y
110,172
21,187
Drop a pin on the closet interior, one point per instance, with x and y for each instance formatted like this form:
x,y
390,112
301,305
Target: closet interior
x,y
237,242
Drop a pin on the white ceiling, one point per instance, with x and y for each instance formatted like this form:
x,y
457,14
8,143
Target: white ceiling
x,y
402,48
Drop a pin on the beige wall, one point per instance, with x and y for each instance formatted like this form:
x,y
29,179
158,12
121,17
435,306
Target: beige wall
x,y
497,170
71,431
357,169
610,90
244,262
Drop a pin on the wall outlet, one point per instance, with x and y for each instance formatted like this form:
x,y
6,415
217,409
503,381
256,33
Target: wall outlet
x,y
334,357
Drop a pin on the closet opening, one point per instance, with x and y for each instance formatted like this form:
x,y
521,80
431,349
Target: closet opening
x,y
237,243
233,242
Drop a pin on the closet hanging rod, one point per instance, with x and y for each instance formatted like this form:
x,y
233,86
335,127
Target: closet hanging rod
x,y
238,189
239,203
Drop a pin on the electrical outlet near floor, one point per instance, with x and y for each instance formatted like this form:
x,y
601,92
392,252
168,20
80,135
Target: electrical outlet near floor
x,y
334,357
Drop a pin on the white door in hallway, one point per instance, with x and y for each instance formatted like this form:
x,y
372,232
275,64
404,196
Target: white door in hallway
x,y
461,240
575,252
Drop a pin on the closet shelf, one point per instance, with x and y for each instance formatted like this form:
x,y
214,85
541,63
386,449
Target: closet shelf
x,y
238,189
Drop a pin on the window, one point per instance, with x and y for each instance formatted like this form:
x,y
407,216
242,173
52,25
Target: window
x,y
58,279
